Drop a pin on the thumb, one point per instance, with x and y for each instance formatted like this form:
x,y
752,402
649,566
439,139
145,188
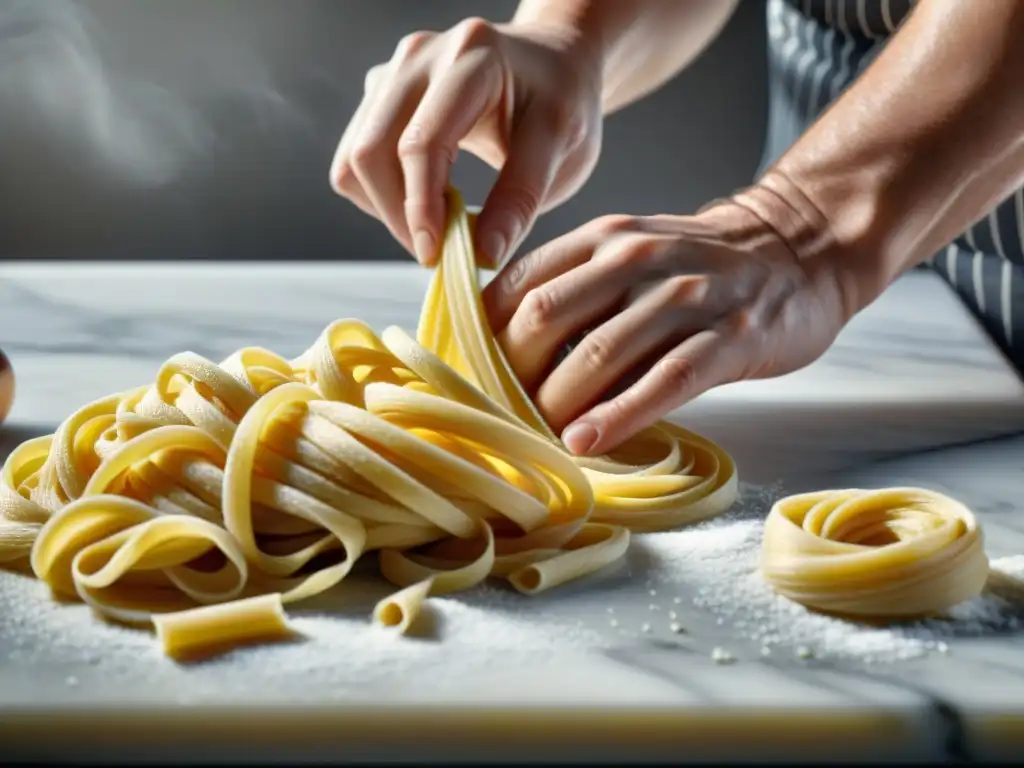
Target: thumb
x,y
535,154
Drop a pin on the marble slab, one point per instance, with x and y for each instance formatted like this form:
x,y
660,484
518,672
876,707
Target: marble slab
x,y
913,371
630,664
981,676
589,673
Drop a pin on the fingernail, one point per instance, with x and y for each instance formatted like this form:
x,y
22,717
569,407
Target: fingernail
x,y
580,438
423,244
494,245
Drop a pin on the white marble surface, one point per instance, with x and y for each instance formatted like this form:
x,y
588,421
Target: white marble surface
x,y
914,371
982,677
910,375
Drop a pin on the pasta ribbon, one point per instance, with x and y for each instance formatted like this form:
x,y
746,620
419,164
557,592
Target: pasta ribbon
x,y
888,554
203,503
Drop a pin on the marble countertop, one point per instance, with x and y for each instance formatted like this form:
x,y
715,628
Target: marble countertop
x,y
913,392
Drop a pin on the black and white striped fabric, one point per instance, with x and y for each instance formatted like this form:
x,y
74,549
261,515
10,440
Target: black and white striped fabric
x,y
816,49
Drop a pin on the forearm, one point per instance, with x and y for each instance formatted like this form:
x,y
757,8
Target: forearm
x,y
923,145
641,43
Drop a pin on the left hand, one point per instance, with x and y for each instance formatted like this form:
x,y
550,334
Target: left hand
x,y
675,305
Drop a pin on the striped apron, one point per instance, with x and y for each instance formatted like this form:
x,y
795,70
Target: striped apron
x,y
816,49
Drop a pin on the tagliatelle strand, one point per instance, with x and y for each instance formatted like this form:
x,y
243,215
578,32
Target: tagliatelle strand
x,y
205,502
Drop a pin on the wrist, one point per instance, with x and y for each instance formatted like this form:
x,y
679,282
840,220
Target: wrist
x,y
589,32
833,267
571,27
840,232
581,52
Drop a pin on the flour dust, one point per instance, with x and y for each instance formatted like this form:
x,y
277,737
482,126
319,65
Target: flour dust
x,y
705,575
717,563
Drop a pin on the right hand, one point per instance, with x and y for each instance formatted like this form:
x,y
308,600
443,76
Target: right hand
x,y
524,99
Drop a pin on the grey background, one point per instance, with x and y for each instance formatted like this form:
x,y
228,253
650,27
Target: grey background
x,y
188,129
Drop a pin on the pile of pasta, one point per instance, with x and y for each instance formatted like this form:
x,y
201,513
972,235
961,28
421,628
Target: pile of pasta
x,y
205,502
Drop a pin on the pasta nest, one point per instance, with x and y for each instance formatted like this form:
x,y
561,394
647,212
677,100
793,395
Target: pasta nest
x,y
887,553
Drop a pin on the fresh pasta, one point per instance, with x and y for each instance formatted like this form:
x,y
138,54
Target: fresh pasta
x,y
205,502
885,554
401,609
196,633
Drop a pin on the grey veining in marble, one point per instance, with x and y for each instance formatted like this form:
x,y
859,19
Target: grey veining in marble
x,y
982,676
911,374
913,371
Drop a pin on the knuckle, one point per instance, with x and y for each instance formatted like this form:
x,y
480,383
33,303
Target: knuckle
x,y
471,33
373,76
597,351
413,142
614,224
616,411
411,44
743,322
343,180
678,373
628,252
517,275
520,201
576,131
538,308
416,142
644,248
686,289
364,154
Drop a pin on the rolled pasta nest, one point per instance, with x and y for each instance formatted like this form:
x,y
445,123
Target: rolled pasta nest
x,y
204,502
893,553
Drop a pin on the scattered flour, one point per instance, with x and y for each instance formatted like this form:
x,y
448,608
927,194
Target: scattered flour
x,y
717,564
338,654
62,649
461,637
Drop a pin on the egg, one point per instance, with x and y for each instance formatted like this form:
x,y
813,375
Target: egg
x,y
6,386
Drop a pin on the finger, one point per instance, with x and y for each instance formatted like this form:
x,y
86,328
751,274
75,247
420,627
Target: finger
x,y
343,176
705,360
451,106
559,309
504,294
610,352
536,151
374,155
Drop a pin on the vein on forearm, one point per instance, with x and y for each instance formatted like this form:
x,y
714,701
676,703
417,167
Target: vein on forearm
x,y
926,142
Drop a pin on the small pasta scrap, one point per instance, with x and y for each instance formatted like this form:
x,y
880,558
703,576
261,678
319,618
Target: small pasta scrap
x,y
401,609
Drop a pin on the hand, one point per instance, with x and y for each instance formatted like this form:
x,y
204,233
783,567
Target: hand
x,y
526,100
675,305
